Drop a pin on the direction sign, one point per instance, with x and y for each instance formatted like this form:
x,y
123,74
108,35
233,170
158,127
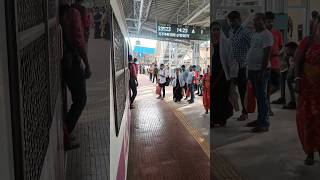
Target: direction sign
x,y
177,31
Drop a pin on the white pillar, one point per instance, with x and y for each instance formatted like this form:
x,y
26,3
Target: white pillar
x,y
195,53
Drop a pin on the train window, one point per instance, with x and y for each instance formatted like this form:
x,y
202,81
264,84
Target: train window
x,y
120,72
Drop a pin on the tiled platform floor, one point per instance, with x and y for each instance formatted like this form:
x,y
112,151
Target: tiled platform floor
x,y
275,155
161,148
91,160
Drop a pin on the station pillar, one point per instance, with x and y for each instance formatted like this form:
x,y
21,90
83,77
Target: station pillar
x,y
195,53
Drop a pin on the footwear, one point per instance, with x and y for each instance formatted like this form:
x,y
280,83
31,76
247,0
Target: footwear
x,y
271,113
159,97
260,129
243,117
72,137
71,146
186,98
279,101
207,112
309,160
190,102
254,123
290,105
200,94
132,106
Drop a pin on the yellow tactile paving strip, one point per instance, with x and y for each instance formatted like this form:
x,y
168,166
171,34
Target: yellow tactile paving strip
x,y
193,131
223,170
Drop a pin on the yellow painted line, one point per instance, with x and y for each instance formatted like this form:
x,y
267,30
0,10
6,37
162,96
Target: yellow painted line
x,y
222,168
196,134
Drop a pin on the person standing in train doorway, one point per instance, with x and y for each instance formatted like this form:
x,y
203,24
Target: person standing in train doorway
x,y
85,20
74,74
240,44
133,82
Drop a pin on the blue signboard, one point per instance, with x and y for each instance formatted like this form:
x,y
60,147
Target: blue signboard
x,y
143,50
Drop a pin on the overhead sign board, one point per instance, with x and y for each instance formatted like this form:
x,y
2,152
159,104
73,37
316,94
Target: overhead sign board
x,y
177,31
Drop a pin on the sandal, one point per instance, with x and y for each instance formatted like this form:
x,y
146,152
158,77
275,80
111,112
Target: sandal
x,y
243,117
309,160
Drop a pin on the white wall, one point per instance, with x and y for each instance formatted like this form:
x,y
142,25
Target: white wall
x,y
6,151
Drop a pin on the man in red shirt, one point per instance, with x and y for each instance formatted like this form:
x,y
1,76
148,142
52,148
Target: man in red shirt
x,y
74,56
133,82
274,82
85,17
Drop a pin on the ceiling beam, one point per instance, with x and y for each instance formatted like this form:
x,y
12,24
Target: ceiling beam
x,y
180,8
140,15
197,12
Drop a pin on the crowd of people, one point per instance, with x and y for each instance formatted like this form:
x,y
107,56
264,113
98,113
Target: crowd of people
x,y
186,82
259,58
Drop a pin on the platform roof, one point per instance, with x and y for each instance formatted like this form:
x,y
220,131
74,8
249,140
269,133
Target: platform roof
x,y
143,15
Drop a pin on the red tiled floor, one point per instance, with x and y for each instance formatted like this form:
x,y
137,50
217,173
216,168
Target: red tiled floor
x,y
160,146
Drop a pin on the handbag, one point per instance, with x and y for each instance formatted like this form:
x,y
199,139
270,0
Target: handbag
x,y
167,81
250,99
158,89
188,93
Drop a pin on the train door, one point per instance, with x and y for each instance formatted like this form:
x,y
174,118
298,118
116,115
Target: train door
x,y
34,52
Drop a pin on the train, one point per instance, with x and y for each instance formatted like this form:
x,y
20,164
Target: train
x,y
120,116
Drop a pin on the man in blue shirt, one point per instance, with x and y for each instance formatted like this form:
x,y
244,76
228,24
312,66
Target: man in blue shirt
x,y
185,76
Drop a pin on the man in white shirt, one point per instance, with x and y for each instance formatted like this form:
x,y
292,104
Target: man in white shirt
x,y
190,82
258,59
163,75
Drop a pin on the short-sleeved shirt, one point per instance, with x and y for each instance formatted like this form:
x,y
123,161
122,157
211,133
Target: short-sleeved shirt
x,y
259,41
190,78
163,74
240,44
185,75
277,44
72,28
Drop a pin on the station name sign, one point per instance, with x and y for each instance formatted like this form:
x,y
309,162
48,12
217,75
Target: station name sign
x,y
177,31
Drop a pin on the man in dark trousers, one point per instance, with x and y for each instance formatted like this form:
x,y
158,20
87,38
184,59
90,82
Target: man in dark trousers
x,y
133,82
74,74
155,73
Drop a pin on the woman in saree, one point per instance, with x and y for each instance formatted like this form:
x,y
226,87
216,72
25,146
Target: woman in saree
x,y
307,64
222,108
206,90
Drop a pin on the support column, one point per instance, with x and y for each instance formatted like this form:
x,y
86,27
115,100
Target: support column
x,y
196,53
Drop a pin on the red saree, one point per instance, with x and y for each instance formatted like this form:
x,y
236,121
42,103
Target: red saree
x,y
206,92
308,113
